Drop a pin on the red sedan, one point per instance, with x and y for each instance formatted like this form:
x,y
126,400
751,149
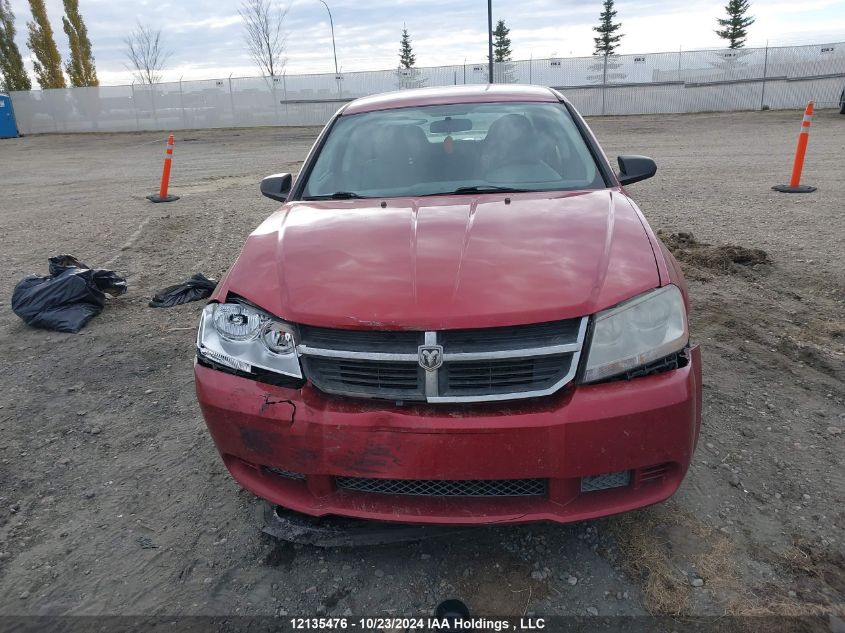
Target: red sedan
x,y
458,316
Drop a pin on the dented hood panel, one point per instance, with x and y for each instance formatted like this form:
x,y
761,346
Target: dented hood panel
x,y
446,262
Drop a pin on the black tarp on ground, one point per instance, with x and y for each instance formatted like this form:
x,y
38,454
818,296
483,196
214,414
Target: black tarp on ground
x,y
68,298
197,287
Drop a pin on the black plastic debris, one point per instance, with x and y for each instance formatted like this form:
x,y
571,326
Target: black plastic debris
x,y
197,287
290,526
68,298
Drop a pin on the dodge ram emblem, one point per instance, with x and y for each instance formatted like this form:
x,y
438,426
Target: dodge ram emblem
x,y
431,356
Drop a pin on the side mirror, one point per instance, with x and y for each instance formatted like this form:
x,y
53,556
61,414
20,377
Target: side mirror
x,y
277,187
635,168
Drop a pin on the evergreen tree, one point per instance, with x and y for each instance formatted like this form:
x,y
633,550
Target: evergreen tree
x,y
47,63
80,66
407,59
736,23
12,73
501,43
608,40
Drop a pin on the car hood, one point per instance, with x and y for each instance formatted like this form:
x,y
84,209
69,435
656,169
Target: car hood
x,y
446,262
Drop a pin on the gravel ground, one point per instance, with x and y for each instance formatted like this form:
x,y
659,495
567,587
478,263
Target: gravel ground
x,y
114,501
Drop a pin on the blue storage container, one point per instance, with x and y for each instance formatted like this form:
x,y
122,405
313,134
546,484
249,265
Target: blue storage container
x,y
8,126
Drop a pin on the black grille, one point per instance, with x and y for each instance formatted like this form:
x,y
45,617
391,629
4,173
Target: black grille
x,y
510,338
366,377
447,488
400,342
507,375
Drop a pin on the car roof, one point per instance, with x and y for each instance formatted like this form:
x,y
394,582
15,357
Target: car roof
x,y
479,93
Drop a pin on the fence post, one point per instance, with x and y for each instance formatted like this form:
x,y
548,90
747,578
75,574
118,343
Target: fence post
x,y
135,108
182,104
680,49
273,81
603,83
232,99
765,69
285,90
153,102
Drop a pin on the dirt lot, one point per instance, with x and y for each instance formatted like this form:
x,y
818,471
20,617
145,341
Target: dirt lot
x,y
114,501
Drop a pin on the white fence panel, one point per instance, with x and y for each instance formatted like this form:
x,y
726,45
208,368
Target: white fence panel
x,y
686,81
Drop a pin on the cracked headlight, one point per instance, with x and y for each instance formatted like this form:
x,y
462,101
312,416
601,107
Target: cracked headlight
x,y
646,328
245,338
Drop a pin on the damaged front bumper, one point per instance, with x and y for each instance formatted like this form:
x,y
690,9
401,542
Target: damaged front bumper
x,y
330,531
585,452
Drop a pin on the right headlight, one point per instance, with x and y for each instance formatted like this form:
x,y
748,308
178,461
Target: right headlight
x,y
646,328
245,338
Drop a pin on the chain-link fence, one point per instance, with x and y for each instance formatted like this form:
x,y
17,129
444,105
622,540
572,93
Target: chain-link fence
x,y
686,81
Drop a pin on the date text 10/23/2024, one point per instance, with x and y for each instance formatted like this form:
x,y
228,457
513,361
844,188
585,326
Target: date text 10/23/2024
x,y
443,625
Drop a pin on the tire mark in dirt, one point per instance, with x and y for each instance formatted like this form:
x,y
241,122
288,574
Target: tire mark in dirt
x,y
129,243
215,240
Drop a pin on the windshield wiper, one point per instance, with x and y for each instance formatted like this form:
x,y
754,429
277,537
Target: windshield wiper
x,y
337,195
480,189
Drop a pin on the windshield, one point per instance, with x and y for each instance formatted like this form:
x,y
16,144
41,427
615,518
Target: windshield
x,y
445,149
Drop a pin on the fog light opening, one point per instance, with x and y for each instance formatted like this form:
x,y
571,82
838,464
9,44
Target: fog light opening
x,y
281,472
653,474
605,481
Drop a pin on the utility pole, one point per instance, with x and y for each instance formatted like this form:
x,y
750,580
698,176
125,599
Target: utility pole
x,y
334,48
331,24
490,41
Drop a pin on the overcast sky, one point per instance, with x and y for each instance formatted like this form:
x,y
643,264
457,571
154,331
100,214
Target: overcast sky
x,y
207,40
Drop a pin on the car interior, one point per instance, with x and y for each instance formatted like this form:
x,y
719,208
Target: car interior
x,y
398,155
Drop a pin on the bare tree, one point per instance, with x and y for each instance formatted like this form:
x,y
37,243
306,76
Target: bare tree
x,y
146,53
264,36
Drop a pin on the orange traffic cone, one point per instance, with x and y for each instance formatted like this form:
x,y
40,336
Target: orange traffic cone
x,y
165,176
795,185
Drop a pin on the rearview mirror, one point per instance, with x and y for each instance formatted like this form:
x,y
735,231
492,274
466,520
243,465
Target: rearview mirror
x,y
277,187
635,168
450,125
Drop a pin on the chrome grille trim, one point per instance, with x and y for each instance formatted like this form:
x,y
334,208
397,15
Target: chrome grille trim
x,y
305,350
445,488
429,388
512,353
432,383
